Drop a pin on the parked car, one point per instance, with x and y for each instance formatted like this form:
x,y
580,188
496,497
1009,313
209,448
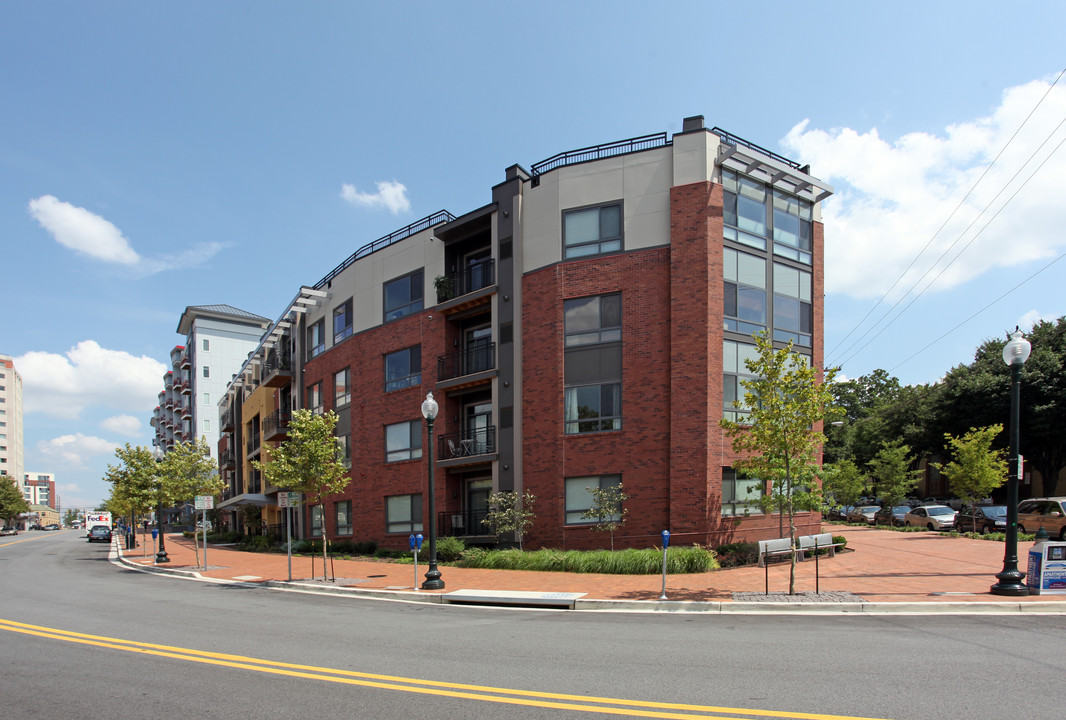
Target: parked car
x,y
1049,513
838,512
983,519
8,531
862,513
51,526
100,533
891,515
931,517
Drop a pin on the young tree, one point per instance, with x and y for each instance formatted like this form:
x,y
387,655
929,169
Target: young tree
x,y
844,482
607,509
134,482
188,470
977,469
510,512
781,445
308,462
12,504
70,517
890,472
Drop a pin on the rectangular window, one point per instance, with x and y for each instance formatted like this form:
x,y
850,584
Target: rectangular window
x,y
403,296
316,339
792,227
591,320
207,398
745,292
207,372
793,312
342,321
403,368
744,211
207,426
594,408
593,363
592,231
344,449
207,345
740,494
403,441
343,515
342,385
316,521
734,364
403,513
579,499
314,398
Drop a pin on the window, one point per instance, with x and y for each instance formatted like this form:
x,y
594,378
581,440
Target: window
x,y
739,493
342,321
207,398
344,449
343,515
593,365
403,513
403,368
316,521
579,499
403,441
745,292
314,398
403,296
207,426
792,227
592,231
342,385
734,366
207,372
752,214
793,313
316,339
207,345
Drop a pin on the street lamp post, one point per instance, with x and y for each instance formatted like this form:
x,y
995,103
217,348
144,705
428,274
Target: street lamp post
x,y
433,581
161,556
1015,353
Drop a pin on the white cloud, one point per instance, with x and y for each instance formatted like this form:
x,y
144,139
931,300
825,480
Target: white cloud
x,y
88,375
75,449
391,195
122,425
81,230
893,197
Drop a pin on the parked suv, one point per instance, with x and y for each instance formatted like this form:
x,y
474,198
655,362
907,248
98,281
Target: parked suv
x,y
1049,513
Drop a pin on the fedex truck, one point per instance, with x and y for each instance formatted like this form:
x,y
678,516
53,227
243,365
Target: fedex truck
x,y
96,518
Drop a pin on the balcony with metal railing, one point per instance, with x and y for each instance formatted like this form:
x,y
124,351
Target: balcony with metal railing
x,y
276,425
468,447
277,368
226,460
252,444
472,285
467,367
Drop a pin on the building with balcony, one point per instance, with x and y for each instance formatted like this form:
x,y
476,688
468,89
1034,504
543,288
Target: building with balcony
x,y
12,449
587,327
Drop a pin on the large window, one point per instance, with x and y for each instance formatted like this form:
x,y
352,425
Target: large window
x,y
403,296
403,513
343,515
592,231
593,372
792,227
579,498
316,520
740,493
314,398
753,214
734,357
342,387
342,321
793,313
403,368
403,441
316,339
344,449
745,292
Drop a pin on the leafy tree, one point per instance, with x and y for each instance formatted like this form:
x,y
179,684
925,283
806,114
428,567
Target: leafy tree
x,y
607,509
781,444
890,472
12,503
70,517
308,462
844,482
134,482
188,470
510,512
977,469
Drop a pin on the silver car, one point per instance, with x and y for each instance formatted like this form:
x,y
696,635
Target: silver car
x,y
931,517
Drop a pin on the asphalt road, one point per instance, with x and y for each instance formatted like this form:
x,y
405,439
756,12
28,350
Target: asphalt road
x,y
82,637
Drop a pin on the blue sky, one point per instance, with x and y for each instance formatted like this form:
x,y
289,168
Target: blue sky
x,y
159,155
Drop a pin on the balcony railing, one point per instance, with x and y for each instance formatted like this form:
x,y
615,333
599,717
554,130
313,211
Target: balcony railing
x,y
226,459
467,444
598,152
462,524
276,424
471,278
227,420
252,443
277,368
466,362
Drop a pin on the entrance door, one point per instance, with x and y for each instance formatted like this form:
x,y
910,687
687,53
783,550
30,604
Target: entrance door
x,y
476,507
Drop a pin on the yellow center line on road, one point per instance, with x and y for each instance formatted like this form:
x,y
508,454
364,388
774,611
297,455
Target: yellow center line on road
x,y
634,708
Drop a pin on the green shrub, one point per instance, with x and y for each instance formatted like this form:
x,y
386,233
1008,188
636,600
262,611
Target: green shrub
x,y
449,549
679,560
843,542
737,554
187,534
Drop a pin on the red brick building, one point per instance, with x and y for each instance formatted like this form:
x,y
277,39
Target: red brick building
x,y
585,328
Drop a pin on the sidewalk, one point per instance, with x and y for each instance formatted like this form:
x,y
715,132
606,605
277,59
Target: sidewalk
x,y
882,568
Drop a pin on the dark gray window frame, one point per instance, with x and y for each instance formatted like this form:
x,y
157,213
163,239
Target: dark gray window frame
x,y
620,238
408,308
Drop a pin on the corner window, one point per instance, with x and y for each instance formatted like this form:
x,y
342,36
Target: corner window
x,y
745,292
403,513
403,296
342,385
754,214
314,398
593,363
403,441
343,515
793,312
579,499
734,365
316,339
403,369
592,231
740,494
316,520
342,321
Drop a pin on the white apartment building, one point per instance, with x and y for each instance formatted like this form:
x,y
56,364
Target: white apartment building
x,y
12,457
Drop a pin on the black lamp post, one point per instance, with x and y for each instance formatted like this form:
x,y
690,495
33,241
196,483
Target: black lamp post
x,y
433,581
1015,353
161,556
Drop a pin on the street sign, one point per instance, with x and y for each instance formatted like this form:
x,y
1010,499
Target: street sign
x,y
205,502
288,499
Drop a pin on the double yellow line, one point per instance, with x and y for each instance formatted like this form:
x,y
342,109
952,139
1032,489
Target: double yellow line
x,y
483,693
